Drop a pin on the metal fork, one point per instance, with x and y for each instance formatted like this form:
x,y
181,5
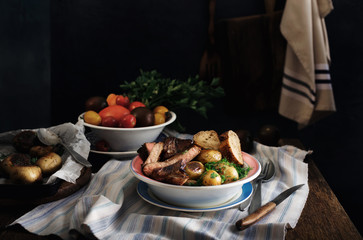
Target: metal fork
x,y
256,201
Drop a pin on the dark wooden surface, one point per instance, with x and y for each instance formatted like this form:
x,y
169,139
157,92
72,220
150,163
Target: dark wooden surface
x,y
323,216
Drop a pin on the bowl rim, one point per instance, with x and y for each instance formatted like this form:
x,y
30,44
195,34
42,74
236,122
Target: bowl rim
x,y
171,120
181,187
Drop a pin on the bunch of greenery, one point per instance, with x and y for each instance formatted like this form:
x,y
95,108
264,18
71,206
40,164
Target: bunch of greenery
x,y
153,90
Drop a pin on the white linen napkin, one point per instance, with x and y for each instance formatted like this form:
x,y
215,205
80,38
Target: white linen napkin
x,y
110,208
71,134
306,94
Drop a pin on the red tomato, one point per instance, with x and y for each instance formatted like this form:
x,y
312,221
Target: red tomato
x,y
123,100
109,121
136,104
128,121
115,111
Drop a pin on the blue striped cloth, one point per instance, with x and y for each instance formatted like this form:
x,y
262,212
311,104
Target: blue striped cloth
x,y
110,208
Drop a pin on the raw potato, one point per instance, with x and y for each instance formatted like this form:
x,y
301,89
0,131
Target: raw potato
x,y
18,167
209,155
230,147
194,169
207,139
49,163
26,174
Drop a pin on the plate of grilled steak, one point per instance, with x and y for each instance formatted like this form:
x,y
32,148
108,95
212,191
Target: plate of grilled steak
x,y
162,166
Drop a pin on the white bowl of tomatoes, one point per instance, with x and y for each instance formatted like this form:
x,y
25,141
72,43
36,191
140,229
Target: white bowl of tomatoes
x,y
121,128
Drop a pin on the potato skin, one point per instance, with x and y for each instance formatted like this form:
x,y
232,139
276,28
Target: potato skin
x,y
49,163
19,169
211,178
230,174
194,169
26,174
209,155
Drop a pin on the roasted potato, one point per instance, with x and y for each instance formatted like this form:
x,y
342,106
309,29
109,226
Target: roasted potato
x,y
211,178
209,155
194,169
49,163
230,174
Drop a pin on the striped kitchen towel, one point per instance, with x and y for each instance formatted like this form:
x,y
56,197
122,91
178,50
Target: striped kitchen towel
x,y
306,94
110,208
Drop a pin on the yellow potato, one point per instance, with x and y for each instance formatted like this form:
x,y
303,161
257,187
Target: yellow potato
x,y
230,174
49,163
194,169
209,155
26,174
211,178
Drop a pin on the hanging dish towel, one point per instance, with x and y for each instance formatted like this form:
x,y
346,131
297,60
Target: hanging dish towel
x,y
306,93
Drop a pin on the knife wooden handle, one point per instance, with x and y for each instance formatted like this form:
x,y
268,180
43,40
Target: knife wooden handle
x,y
255,216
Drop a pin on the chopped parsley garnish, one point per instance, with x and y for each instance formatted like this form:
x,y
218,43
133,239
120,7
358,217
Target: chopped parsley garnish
x,y
218,167
214,175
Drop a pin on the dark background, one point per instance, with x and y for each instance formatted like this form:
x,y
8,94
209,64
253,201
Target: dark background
x,y
56,54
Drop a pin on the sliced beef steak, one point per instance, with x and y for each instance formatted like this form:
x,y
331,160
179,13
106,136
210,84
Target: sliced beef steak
x,y
155,153
173,174
173,145
145,150
174,165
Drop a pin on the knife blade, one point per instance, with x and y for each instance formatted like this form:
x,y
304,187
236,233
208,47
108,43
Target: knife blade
x,y
261,212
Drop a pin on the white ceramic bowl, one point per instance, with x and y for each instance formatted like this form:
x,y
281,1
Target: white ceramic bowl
x,y
128,139
196,196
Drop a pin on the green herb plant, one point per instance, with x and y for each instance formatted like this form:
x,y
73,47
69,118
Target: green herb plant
x,y
153,90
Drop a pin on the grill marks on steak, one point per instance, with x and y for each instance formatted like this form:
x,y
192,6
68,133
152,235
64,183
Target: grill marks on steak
x,y
173,174
173,145
172,169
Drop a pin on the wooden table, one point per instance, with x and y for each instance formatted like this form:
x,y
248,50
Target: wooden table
x,y
323,216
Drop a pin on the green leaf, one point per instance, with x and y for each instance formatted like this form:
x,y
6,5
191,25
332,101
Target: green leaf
x,y
153,89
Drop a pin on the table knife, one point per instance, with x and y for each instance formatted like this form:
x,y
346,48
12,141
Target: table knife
x,y
261,212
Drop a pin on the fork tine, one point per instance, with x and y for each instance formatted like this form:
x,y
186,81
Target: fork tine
x,y
265,167
262,173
